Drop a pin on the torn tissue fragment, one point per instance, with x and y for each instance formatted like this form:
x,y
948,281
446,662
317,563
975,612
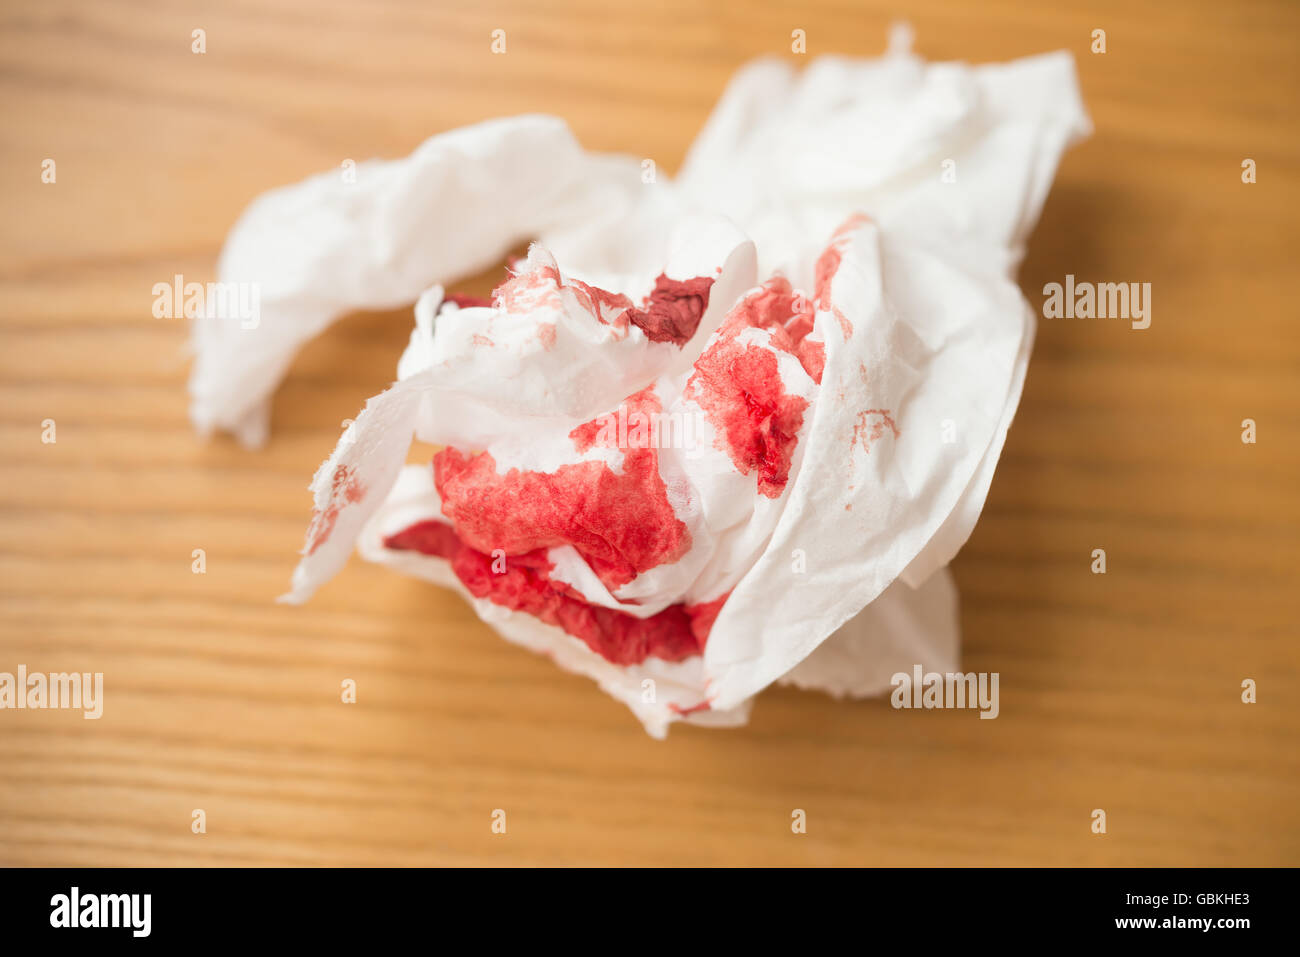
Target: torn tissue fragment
x,y
739,387
524,585
621,522
345,490
610,308
536,288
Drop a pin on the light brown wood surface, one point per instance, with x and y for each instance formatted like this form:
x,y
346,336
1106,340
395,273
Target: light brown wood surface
x,y
1119,692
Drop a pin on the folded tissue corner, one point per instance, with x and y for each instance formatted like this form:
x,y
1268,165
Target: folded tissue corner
x,y
712,433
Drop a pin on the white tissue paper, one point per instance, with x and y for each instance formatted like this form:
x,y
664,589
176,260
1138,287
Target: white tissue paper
x,y
712,433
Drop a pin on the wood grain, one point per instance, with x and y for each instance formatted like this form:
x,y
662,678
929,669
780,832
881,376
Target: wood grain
x,y
1119,691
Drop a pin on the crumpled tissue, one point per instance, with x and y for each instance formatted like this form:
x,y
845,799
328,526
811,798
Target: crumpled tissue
x,y
820,308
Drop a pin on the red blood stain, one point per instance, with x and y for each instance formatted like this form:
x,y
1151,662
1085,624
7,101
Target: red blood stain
x,y
703,615
671,313
787,315
740,390
528,290
846,327
867,431
597,431
344,490
525,585
828,264
621,428
673,309
854,222
610,308
811,354
620,522
679,710
545,330
813,357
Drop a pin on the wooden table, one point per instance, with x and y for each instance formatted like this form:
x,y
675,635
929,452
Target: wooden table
x,y
1120,692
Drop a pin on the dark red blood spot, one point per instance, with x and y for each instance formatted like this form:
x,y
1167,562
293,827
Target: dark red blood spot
x,y
671,313
621,522
740,390
525,585
344,490
673,309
